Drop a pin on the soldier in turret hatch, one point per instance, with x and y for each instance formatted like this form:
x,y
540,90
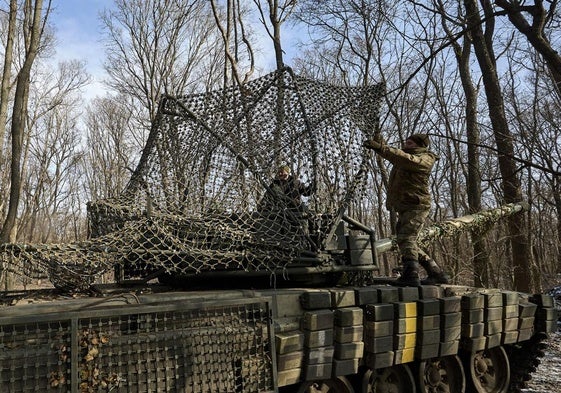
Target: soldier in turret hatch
x,y
409,196
288,192
292,188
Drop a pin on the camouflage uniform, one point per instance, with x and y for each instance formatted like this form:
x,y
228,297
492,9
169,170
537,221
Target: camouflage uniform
x,y
409,224
408,195
293,189
289,192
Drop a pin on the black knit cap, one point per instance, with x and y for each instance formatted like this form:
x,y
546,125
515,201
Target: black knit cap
x,y
422,140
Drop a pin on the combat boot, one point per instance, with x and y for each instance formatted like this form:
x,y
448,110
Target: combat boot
x,y
410,274
435,274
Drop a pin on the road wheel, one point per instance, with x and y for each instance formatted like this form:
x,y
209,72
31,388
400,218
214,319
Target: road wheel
x,y
394,379
442,375
333,385
489,371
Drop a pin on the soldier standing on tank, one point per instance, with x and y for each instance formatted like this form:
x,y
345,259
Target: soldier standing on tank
x,y
409,196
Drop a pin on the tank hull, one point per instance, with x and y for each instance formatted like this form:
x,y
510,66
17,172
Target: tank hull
x,y
343,339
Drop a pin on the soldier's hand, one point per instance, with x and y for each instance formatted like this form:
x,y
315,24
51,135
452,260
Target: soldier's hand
x,y
372,144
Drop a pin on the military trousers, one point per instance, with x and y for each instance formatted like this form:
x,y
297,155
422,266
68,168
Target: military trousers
x,y
409,223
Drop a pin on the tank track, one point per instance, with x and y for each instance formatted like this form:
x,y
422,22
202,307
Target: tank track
x,y
524,359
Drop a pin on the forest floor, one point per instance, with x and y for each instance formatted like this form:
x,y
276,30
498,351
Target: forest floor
x,y
547,377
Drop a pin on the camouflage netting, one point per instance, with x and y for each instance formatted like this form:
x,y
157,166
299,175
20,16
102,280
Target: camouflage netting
x,y
201,197
478,223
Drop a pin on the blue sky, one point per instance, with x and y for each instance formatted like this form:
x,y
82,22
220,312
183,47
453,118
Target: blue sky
x,y
78,33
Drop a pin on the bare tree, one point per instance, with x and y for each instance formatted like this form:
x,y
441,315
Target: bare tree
x,y
109,160
534,31
50,180
157,47
51,150
6,85
278,13
352,37
462,53
33,25
234,34
534,114
511,186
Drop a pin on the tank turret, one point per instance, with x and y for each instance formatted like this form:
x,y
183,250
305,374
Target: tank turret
x,y
352,248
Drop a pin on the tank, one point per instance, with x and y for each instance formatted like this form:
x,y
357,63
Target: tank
x,y
345,338
200,276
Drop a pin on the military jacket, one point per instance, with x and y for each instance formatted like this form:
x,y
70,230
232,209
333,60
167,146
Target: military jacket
x,y
408,186
293,189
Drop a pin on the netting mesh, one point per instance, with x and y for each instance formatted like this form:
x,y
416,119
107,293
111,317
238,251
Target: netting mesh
x,y
202,197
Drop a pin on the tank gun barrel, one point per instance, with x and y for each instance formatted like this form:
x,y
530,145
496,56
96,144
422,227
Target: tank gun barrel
x,y
477,222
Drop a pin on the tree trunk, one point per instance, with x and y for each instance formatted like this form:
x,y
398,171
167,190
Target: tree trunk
x,y
7,73
33,19
557,201
4,98
521,255
473,181
480,252
276,24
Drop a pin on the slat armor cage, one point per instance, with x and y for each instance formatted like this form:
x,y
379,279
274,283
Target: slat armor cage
x,y
169,347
